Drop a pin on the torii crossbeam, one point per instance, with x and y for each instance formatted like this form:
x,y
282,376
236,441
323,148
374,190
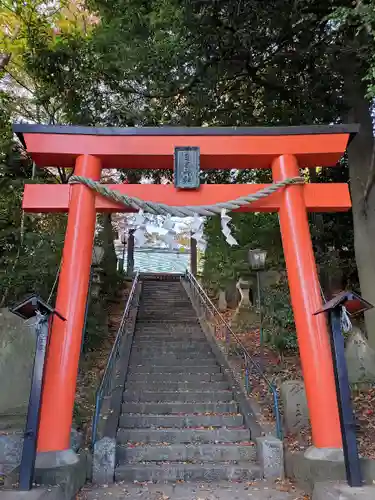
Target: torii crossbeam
x,y
89,150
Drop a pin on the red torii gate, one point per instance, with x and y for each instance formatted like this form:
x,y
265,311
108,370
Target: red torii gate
x,y
89,150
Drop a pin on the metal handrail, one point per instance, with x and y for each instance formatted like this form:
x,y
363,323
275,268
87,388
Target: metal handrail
x,y
248,359
105,384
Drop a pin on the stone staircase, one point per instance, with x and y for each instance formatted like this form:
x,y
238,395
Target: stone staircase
x,y
179,420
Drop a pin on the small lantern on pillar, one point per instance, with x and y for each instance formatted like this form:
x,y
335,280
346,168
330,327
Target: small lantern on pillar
x,y
338,308
29,307
257,259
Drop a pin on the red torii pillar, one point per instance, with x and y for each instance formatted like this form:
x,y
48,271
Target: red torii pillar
x,y
89,150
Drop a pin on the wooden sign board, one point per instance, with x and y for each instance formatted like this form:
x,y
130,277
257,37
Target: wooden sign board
x,y
186,167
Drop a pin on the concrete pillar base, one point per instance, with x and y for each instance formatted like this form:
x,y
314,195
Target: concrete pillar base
x,y
329,454
60,467
342,491
52,459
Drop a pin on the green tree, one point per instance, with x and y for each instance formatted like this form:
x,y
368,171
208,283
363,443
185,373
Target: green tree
x,y
225,62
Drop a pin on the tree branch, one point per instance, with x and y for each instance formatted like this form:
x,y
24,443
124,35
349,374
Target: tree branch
x,y
62,175
178,91
4,61
6,57
70,174
19,82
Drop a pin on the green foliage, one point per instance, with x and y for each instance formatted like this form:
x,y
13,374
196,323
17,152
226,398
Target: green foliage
x,y
359,18
136,62
279,328
224,264
96,330
96,325
30,246
218,270
333,239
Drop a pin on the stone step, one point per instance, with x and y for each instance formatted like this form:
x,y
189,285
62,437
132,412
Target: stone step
x,y
176,318
182,327
181,396
166,350
185,435
160,327
173,355
175,302
139,421
171,318
181,452
166,377
168,322
169,337
161,356
160,286
176,385
166,309
165,331
173,361
177,369
164,301
171,343
175,471
162,296
170,408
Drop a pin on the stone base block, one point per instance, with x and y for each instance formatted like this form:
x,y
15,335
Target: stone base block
x,y
104,461
54,493
11,445
270,455
296,414
64,471
342,491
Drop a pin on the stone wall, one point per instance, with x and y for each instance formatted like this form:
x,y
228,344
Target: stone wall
x,y
17,346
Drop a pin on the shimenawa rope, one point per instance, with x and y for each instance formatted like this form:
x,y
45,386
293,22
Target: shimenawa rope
x,y
187,211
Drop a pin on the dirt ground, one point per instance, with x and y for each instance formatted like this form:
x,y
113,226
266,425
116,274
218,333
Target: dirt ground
x,y
258,490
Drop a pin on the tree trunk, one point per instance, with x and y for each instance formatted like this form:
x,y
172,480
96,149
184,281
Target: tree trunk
x,y
193,257
361,168
109,262
130,255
